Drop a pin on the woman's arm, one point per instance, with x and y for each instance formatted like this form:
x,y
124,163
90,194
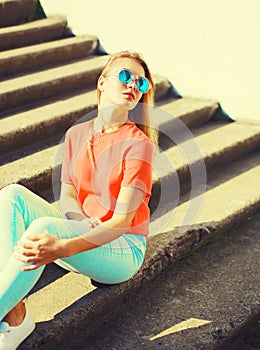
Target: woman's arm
x,y
128,202
68,203
42,249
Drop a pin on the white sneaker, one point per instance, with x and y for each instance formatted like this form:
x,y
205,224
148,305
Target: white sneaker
x,y
11,337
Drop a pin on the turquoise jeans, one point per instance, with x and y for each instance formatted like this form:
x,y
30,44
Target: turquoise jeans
x,y
22,211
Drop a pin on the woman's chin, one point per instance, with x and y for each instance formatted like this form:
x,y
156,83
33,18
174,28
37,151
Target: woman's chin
x,y
130,105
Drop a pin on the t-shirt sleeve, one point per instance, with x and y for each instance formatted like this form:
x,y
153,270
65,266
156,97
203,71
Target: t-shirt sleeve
x,y
66,168
138,166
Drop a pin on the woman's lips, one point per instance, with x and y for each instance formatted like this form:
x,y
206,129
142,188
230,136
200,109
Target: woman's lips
x,y
130,95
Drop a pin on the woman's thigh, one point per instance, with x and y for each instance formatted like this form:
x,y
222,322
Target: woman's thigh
x,y
19,207
114,262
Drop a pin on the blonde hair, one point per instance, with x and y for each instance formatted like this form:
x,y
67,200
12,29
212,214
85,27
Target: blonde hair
x,y
140,114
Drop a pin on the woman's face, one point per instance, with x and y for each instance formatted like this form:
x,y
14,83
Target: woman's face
x,y
114,92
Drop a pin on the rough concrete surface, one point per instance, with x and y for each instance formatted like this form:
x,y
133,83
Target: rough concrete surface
x,y
50,82
36,110
82,311
47,29
219,283
13,12
32,57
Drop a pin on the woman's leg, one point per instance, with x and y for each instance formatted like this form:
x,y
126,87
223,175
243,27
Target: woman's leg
x,y
19,207
16,315
114,262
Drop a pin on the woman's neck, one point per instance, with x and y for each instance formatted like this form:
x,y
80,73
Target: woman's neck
x,y
110,118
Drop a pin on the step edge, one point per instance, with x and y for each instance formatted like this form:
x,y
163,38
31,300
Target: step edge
x,y
42,177
161,252
34,24
61,115
45,56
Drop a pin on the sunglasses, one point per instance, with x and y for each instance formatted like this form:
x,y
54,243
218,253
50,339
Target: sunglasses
x,y
125,77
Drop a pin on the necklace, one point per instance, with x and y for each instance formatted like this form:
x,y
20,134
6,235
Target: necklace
x,y
104,128
95,133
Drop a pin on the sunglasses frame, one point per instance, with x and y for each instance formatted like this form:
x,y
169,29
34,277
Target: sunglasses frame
x,y
131,77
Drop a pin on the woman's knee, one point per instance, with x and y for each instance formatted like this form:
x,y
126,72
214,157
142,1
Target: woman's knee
x,y
12,190
40,225
49,225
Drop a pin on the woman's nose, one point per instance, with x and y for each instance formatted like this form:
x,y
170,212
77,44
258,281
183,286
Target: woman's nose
x,y
132,84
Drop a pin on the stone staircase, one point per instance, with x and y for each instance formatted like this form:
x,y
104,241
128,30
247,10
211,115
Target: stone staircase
x,y
206,177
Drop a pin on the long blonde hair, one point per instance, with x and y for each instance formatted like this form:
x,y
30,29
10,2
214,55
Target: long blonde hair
x,y
140,114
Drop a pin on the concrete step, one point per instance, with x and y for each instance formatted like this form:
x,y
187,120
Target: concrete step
x,y
209,206
49,83
31,58
209,300
192,112
52,82
14,12
43,30
64,314
215,145
24,128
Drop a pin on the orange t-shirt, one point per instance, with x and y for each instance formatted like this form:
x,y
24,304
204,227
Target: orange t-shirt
x,y
98,166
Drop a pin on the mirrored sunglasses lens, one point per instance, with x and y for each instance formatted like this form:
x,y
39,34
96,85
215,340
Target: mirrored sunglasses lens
x,y
142,85
125,76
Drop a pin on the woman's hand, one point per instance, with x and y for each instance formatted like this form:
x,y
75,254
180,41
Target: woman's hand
x,y
39,249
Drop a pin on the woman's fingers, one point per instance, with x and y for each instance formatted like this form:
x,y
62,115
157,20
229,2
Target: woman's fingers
x,y
31,267
24,258
25,255
26,252
27,241
35,237
40,249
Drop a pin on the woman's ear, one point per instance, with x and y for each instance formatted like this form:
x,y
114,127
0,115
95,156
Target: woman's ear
x,y
100,83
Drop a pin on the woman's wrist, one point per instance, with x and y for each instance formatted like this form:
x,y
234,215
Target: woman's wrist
x,y
67,247
64,248
75,216
72,246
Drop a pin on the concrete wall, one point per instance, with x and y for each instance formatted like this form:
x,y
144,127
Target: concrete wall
x,y
206,48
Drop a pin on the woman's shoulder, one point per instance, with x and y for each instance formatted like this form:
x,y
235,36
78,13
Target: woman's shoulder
x,y
79,130
133,131
138,143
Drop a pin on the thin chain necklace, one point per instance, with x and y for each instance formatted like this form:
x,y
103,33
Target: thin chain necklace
x,y
94,141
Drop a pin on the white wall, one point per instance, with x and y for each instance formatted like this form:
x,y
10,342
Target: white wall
x,y
206,48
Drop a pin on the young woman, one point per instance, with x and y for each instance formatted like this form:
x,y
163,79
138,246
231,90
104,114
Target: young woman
x,y
101,225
